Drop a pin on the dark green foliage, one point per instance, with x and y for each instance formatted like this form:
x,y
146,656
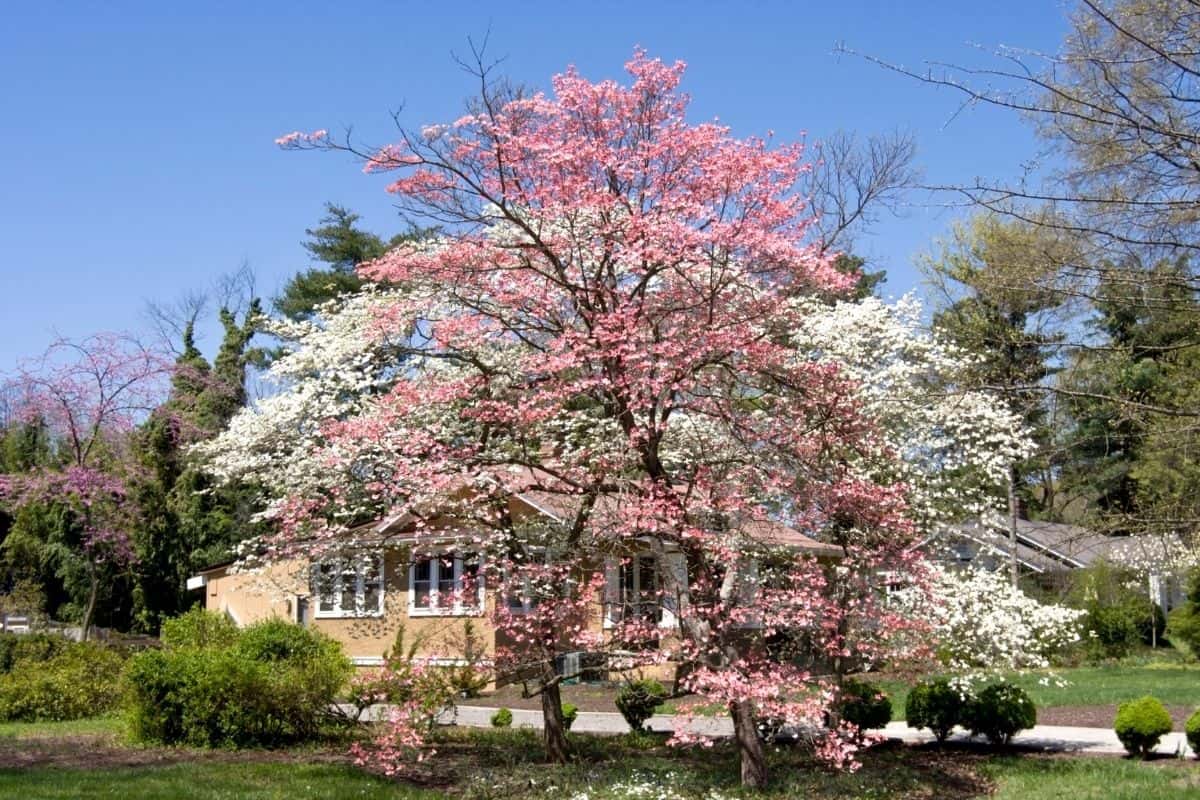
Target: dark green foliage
x,y
935,705
570,712
269,685
188,521
340,244
50,678
502,718
638,700
1137,468
999,712
864,706
1140,724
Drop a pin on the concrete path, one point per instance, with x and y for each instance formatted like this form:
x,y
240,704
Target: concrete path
x,y
1055,738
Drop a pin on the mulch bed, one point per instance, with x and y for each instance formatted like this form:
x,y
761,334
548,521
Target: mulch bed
x,y
587,696
91,751
1099,716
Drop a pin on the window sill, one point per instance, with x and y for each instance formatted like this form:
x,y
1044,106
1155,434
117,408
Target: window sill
x,y
347,615
444,612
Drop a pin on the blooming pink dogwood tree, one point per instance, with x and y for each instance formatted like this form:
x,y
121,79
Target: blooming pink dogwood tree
x,y
89,394
606,322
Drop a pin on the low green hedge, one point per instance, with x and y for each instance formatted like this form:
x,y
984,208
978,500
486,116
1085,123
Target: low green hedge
x,y
47,678
212,686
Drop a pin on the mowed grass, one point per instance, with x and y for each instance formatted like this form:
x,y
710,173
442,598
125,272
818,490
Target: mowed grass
x,y
93,726
206,781
1031,778
485,765
1173,683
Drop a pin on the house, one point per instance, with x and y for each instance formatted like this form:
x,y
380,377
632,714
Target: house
x,y
394,578
1047,552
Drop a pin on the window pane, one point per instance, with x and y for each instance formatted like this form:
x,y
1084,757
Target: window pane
x,y
445,579
323,580
372,596
422,569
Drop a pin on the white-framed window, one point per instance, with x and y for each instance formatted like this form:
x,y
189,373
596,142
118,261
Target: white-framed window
x,y
349,586
635,587
519,594
437,584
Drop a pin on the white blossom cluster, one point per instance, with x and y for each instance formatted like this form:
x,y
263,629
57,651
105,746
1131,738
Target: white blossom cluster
x,y
647,786
982,622
1156,555
330,368
955,444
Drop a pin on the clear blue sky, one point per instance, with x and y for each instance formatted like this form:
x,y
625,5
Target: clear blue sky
x,y
136,154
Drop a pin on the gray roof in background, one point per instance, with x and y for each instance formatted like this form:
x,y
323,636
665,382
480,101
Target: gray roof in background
x,y
1043,546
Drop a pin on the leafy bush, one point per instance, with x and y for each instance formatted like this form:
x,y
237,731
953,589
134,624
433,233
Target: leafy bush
x,y
199,628
638,700
502,718
570,712
1192,731
50,678
999,712
1140,724
935,705
29,647
1184,627
267,685
864,706
1120,615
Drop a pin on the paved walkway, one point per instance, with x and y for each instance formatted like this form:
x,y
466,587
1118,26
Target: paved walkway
x,y
1056,738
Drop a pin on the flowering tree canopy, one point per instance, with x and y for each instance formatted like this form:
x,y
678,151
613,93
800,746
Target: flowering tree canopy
x,y
981,622
611,322
89,394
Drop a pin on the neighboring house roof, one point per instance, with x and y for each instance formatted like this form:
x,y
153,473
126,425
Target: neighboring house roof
x,y
1043,546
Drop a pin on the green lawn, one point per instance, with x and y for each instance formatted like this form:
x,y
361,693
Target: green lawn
x,y
94,726
205,781
1025,778
1174,684
492,764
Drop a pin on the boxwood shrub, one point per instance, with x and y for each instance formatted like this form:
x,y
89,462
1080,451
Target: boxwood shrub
x,y
864,706
1140,724
935,705
638,700
999,712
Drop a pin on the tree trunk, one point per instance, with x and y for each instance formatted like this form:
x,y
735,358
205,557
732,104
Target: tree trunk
x,y
554,733
1012,530
754,762
90,610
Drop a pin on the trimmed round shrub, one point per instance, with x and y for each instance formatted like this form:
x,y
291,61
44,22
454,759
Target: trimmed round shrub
x,y
1140,724
570,712
1000,712
1192,731
638,700
935,705
502,718
56,679
864,706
